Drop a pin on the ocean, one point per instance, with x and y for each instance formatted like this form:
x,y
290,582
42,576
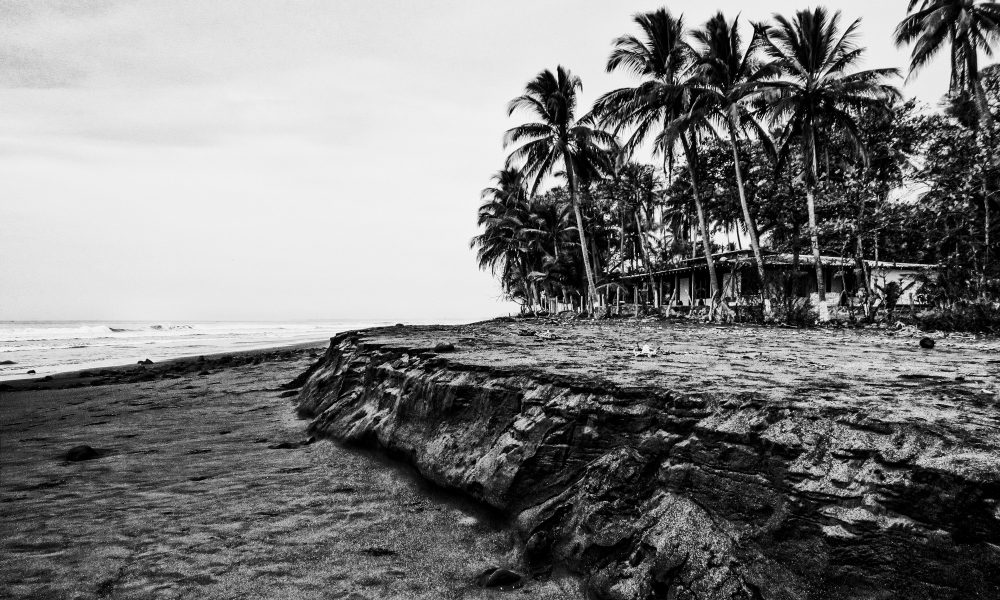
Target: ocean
x,y
49,347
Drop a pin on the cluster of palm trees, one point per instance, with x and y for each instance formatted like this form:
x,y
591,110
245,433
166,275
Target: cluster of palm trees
x,y
789,89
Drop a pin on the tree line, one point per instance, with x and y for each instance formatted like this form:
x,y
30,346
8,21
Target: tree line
x,y
776,133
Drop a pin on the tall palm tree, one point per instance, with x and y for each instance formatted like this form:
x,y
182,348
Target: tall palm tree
x,y
968,26
557,138
730,74
816,93
662,105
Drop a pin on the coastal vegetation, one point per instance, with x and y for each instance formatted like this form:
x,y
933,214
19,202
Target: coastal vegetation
x,y
763,138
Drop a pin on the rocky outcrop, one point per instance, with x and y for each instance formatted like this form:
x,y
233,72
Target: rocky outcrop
x,y
654,478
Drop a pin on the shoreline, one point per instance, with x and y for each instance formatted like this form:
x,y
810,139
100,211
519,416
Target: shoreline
x,y
86,376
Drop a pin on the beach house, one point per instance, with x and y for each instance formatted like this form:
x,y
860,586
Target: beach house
x,y
687,284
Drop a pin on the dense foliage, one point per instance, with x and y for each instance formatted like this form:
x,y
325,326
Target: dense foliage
x,y
773,142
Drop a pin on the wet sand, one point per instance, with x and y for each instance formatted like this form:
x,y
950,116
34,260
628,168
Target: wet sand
x,y
194,498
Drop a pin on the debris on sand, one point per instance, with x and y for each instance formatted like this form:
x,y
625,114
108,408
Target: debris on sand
x,y
927,343
646,350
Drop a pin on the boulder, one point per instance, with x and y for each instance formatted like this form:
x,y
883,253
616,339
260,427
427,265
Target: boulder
x,y
927,343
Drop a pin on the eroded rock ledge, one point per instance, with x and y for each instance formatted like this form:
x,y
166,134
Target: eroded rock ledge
x,y
737,463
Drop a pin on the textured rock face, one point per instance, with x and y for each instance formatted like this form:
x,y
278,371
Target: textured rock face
x,y
657,478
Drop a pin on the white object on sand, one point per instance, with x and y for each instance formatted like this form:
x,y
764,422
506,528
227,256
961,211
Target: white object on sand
x,y
646,350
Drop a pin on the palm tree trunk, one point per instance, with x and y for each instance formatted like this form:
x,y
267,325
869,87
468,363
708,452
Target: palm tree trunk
x,y
526,284
591,286
747,217
814,229
692,160
814,241
595,255
645,251
622,239
982,105
859,257
986,228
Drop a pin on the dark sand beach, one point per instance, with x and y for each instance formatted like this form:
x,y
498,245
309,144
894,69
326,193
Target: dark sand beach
x,y
193,498
207,484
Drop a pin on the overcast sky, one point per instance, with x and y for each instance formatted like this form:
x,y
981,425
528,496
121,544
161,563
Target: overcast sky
x,y
265,159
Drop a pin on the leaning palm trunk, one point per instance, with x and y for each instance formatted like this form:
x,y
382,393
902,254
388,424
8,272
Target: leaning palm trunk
x,y
703,226
747,217
591,286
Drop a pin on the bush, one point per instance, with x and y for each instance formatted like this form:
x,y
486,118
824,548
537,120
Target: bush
x,y
973,317
795,311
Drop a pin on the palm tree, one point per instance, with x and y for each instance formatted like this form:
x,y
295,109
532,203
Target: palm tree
x,y
816,92
662,104
729,75
503,215
636,184
969,26
557,138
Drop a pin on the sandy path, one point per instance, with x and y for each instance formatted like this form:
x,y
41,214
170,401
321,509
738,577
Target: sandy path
x,y
191,501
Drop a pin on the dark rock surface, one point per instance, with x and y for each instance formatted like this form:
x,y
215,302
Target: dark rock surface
x,y
501,578
740,463
81,453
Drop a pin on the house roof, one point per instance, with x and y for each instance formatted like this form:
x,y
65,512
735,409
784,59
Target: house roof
x,y
733,257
